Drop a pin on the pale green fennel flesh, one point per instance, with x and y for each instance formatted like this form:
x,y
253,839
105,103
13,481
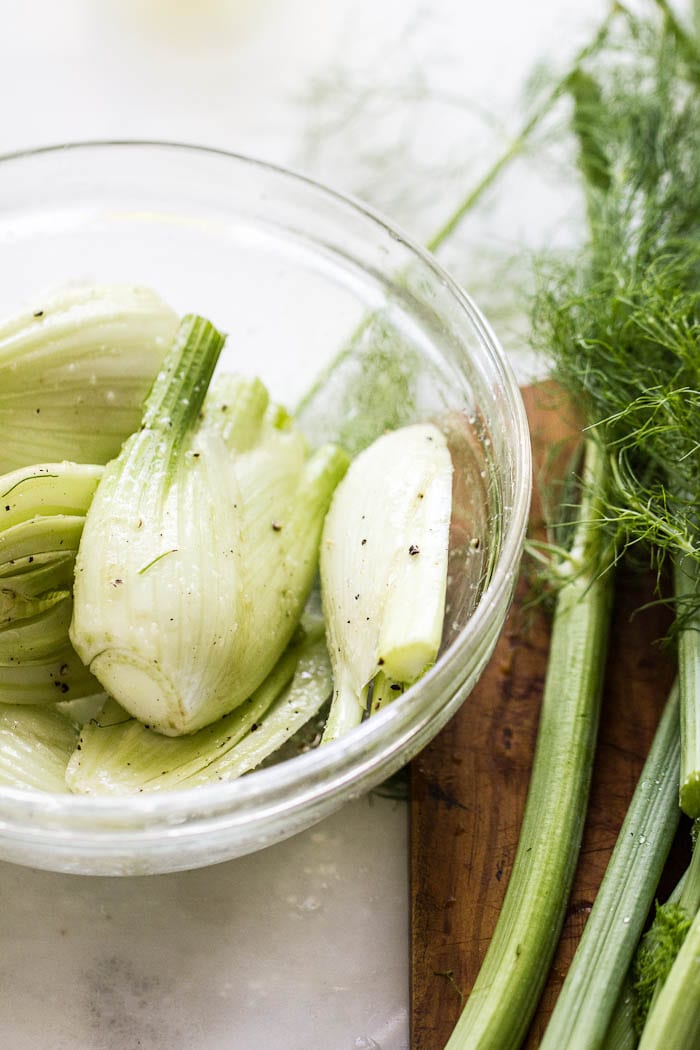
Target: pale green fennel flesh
x,y
383,564
74,371
118,754
194,566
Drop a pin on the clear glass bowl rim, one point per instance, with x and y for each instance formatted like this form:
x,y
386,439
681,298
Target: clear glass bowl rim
x,y
337,767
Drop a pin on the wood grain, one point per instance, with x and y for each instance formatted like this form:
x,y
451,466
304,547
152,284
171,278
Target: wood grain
x,y
468,787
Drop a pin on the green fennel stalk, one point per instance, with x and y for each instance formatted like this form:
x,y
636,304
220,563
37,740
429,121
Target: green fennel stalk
x,y
622,323
622,326
596,976
621,1034
499,1010
687,586
522,139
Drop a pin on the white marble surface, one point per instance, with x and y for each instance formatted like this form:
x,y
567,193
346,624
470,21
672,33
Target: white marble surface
x,y
305,945
297,946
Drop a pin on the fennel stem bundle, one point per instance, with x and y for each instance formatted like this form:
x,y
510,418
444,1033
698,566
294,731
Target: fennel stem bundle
x,y
621,323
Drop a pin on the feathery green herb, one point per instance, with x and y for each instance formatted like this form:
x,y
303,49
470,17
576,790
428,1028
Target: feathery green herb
x,y
622,320
662,941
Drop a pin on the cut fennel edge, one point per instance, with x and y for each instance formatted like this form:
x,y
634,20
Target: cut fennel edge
x,y
116,754
36,742
384,560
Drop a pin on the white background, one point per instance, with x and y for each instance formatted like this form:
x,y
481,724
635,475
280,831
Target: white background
x,y
405,103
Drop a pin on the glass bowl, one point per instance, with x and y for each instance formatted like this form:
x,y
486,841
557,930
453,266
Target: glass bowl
x,y
296,274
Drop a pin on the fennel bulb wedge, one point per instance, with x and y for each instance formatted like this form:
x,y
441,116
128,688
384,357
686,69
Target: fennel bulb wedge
x,y
195,563
74,372
42,513
35,746
384,569
117,754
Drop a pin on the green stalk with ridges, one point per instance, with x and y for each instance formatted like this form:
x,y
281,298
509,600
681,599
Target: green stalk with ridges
x,y
593,984
175,400
507,989
687,586
621,1034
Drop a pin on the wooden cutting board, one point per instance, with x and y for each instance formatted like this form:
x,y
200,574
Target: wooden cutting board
x,y
468,786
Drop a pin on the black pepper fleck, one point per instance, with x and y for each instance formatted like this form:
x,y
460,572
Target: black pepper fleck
x,y
414,549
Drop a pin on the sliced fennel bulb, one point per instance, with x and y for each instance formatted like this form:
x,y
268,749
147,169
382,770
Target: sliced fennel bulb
x,y
35,746
42,512
74,372
195,564
117,754
168,587
154,584
384,569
